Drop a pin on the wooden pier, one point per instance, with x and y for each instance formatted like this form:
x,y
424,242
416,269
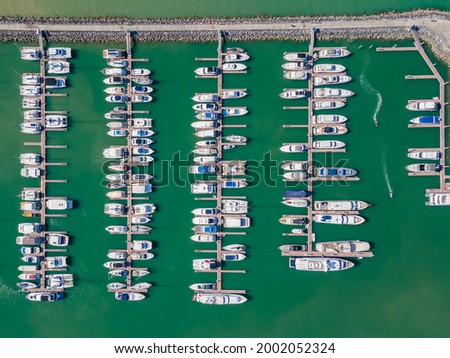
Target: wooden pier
x,y
310,179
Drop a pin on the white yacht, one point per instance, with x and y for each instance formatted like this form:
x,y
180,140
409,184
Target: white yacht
x,y
115,209
30,53
319,264
115,152
332,93
328,144
117,133
338,219
30,158
31,127
294,66
55,121
141,89
203,188
31,102
113,53
297,203
114,71
296,56
116,90
328,119
118,63
204,238
295,75
289,93
206,97
424,154
59,52
139,98
343,246
59,204
294,148
227,94
236,57
340,205
318,105
334,52
219,298
234,111
140,72
416,105
330,130
31,79
331,80
31,91
204,124
207,71
58,67
231,67
328,68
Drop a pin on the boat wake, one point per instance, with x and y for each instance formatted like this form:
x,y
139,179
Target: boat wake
x,y
386,174
369,89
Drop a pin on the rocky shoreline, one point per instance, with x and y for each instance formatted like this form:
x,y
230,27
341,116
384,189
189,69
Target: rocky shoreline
x,y
435,41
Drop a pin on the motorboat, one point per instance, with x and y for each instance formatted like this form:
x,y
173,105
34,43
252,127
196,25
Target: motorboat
x,y
207,116
115,90
117,255
229,94
297,203
328,144
416,105
330,130
115,209
54,262
205,229
142,133
30,259
113,265
204,238
115,152
205,220
118,273
206,97
203,286
424,168
205,107
117,133
293,220
234,50
141,89
141,245
117,229
228,146
139,98
330,172
205,151
30,195
293,247
234,183
59,204
204,124
207,71
45,296
236,57
30,91
118,63
142,151
233,206
140,72
338,219
141,177
438,199
142,256
209,133
232,257
31,102
232,67
236,222
117,99
32,115
55,82
234,111
205,159
234,247
117,194
340,205
294,148
31,172
295,176
116,286
202,169
203,188
115,80
294,66
59,281
59,67
25,286
117,115
328,68
59,52
236,138
206,143
334,53
343,246
30,158
30,206
318,105
141,141
296,56
328,119
320,264
424,154
30,276
426,120
294,165
294,93
295,75
31,127
332,93
143,209
57,239
331,80
296,194
116,185
114,71
129,296
55,121
142,229
205,211
113,53
142,159
205,264
141,286
30,53
219,298
142,80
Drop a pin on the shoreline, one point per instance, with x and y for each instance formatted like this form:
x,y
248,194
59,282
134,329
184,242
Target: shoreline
x,y
432,24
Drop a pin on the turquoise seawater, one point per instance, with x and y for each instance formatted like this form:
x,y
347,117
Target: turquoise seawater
x,y
198,8
401,292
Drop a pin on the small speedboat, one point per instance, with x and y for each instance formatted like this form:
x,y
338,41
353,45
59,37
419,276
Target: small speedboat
x,y
206,143
234,111
232,257
204,124
330,130
138,98
206,97
117,255
114,71
425,154
292,247
116,177
140,72
115,264
295,176
142,80
115,80
116,285
229,94
203,107
294,93
209,133
424,168
206,159
330,172
24,286
207,71
141,286
234,247
204,220
142,256
141,89
296,203
117,99
205,211
115,90
205,151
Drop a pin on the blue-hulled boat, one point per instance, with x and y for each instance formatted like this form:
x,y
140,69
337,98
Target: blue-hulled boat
x,y
426,120
296,193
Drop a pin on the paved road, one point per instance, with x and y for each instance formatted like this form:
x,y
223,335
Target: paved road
x,y
441,27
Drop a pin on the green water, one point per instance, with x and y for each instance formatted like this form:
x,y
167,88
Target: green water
x,y
402,292
195,8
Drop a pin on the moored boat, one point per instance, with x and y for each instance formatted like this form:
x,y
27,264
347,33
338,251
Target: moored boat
x,y
424,154
318,105
343,246
203,286
331,80
294,165
45,296
219,298
330,130
426,120
204,238
293,247
228,94
296,203
294,93
332,93
338,219
296,56
328,68
319,264
236,138
234,247
340,205
416,105
295,66
424,168
234,111
293,220
295,75
294,148
328,144
236,57
295,176
129,296
231,67
328,119
329,172
334,52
